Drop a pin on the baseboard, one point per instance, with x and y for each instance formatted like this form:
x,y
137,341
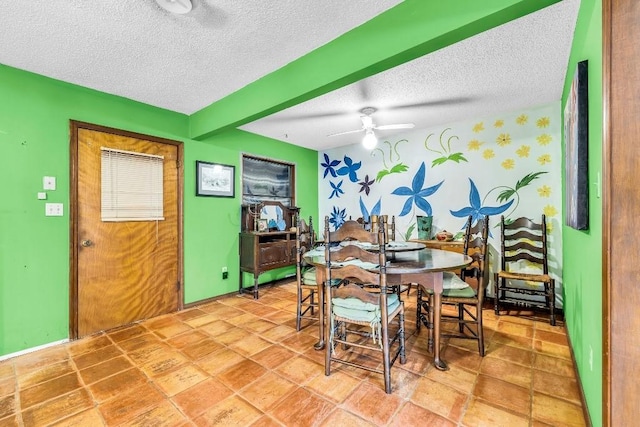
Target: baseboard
x,y
247,290
32,349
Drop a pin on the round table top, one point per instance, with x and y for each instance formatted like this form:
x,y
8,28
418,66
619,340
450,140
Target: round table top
x,y
420,260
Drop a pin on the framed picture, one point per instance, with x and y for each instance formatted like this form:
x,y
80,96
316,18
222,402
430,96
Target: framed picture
x,y
216,180
263,225
576,132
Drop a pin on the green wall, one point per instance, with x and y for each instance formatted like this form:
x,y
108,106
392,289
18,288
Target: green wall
x,y
34,249
582,252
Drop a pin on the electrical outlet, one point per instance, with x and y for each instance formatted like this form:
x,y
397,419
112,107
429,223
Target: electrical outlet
x,y
225,273
49,183
53,209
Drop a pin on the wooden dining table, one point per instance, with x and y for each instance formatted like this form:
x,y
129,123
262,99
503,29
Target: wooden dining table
x,y
408,263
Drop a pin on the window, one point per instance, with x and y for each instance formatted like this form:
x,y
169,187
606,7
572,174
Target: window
x,y
132,187
264,179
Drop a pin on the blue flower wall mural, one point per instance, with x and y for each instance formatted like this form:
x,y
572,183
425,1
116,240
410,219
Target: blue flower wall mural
x,y
329,166
374,211
416,194
337,217
475,208
350,169
337,189
365,185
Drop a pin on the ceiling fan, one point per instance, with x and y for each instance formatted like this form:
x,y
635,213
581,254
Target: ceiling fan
x,y
368,126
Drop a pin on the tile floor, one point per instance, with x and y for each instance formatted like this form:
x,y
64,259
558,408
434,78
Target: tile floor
x,y
236,361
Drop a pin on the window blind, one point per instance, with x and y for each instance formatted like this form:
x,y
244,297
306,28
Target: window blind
x,y
132,187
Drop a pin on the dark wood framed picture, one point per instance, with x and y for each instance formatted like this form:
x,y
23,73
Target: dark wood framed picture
x,y
215,180
576,134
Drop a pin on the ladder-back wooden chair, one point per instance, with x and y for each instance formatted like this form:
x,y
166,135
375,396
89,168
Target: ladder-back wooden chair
x,y
307,301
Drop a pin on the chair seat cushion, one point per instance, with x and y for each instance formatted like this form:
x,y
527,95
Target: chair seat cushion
x,y
309,276
455,287
360,311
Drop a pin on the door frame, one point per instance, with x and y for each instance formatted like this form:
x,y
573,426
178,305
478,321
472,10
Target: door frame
x,y
74,245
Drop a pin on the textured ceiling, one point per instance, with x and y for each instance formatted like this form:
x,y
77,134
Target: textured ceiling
x,y
135,49
514,66
186,62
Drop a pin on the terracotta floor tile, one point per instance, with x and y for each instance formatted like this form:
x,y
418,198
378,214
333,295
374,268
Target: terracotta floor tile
x,y
556,411
554,365
98,356
52,410
32,361
178,380
237,360
198,350
48,390
7,406
480,413
241,374
197,399
440,399
8,385
300,369
165,414
372,403
126,333
250,345
87,344
130,403
507,371
102,370
233,411
455,377
45,373
556,386
513,354
273,356
340,417
504,394
90,417
139,342
219,361
113,386
190,337
411,415
267,390
301,408
335,387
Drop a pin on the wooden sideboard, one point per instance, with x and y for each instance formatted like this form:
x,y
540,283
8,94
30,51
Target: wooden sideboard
x,y
261,251
453,246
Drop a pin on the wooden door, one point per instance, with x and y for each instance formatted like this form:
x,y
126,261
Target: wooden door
x,y
122,271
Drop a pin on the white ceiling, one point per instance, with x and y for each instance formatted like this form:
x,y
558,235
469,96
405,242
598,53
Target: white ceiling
x,y
183,63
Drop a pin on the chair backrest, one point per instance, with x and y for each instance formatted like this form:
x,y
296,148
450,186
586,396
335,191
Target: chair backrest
x,y
524,240
476,240
355,273
305,240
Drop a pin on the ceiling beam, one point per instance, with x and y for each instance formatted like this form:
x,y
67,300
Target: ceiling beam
x,y
405,32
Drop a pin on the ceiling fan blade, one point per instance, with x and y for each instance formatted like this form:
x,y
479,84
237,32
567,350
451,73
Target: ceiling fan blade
x,y
396,126
345,133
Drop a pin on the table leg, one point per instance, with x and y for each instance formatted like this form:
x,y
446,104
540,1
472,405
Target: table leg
x,y
437,306
255,286
320,289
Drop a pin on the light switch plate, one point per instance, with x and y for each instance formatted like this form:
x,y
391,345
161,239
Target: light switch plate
x,y
49,183
42,196
53,209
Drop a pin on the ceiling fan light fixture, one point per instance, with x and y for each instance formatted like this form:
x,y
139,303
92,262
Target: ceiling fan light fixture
x,y
370,140
176,6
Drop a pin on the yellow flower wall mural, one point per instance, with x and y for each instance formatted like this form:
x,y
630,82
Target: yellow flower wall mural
x,y
544,159
550,211
498,123
478,127
543,122
544,139
508,164
522,119
503,139
544,191
488,154
474,145
523,151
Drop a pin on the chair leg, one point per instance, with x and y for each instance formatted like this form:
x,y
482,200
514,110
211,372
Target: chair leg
x,y
403,357
418,308
552,285
299,310
496,307
430,317
460,318
480,329
385,357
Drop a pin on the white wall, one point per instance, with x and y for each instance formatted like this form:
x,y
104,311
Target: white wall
x,y
494,153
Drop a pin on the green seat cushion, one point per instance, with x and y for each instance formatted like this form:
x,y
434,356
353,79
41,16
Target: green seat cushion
x,y
309,276
455,287
355,309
